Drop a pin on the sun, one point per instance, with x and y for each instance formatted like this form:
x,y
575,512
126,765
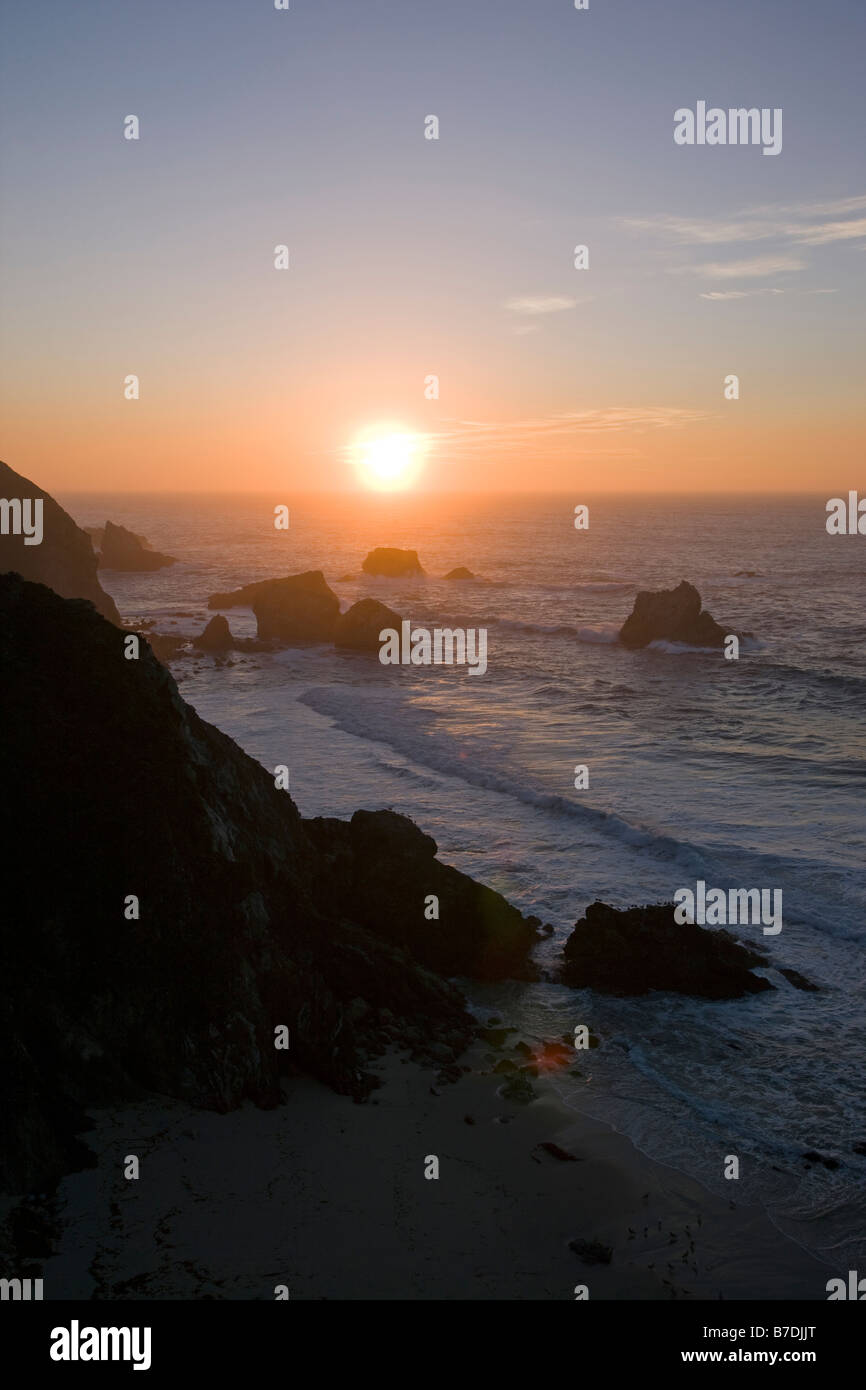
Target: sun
x,y
389,462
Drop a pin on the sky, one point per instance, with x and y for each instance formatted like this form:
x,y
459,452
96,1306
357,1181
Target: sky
x,y
411,258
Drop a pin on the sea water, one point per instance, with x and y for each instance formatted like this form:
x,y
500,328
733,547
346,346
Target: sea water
x,y
739,773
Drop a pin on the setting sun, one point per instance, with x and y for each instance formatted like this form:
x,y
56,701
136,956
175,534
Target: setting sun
x,y
389,462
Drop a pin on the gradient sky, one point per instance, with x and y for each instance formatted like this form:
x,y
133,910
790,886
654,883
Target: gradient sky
x,y
411,256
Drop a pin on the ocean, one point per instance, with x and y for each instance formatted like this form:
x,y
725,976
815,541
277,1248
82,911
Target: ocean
x,y
747,773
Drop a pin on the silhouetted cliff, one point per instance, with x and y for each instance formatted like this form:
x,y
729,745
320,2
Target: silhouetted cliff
x,y
64,559
114,788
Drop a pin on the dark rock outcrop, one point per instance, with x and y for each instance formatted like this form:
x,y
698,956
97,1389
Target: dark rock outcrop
x,y
120,792
217,636
243,597
392,563
380,869
634,950
460,573
672,615
64,560
360,626
301,608
124,550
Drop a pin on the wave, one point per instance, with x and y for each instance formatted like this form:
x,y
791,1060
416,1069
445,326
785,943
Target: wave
x,y
681,648
407,730
593,632
603,586
378,720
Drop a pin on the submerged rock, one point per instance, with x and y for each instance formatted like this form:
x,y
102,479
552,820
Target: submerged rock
x,y
302,608
634,950
124,550
460,573
391,562
672,615
799,981
64,559
360,626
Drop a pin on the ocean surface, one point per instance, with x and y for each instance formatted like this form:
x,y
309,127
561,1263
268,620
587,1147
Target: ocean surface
x,y
748,773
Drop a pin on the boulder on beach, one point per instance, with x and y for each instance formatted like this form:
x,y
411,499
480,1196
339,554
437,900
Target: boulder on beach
x,y
63,558
302,608
360,626
634,950
217,636
124,550
672,615
460,573
385,560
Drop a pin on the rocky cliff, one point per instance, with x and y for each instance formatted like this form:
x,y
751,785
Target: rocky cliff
x,y
166,907
64,559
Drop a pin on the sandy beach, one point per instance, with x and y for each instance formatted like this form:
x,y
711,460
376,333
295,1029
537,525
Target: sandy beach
x,y
330,1199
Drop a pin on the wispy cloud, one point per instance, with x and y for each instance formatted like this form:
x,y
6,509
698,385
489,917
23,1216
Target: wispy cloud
x,y
541,304
738,294
830,231
804,223
764,289
686,231
743,270
576,432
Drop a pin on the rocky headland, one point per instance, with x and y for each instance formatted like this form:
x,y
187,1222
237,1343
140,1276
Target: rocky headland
x,y
64,558
176,909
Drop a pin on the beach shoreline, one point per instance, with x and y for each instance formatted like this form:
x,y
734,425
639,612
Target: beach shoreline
x,y
329,1199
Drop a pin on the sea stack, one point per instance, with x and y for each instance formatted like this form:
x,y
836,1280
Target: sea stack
x,y
359,628
124,550
217,636
302,608
392,563
671,615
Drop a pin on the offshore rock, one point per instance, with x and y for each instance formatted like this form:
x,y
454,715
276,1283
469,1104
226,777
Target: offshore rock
x,y
302,608
392,563
360,626
672,615
634,950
